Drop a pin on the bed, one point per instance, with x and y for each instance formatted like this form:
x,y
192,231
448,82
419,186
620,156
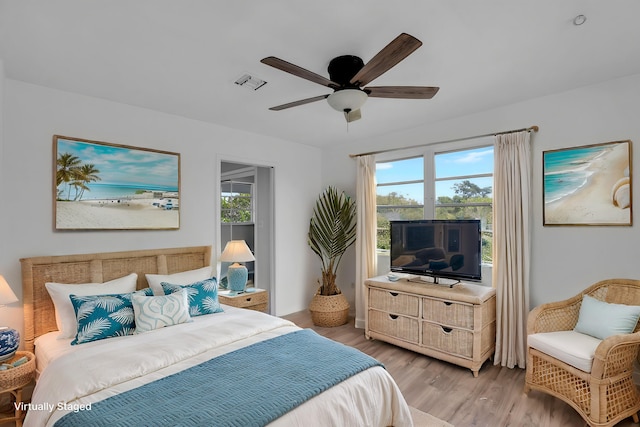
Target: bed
x,y
233,367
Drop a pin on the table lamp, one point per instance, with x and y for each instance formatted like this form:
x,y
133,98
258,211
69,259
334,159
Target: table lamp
x,y
237,251
9,338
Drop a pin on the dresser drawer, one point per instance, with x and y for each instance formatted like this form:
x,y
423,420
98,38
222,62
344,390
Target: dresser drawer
x,y
404,328
453,341
449,313
251,300
394,302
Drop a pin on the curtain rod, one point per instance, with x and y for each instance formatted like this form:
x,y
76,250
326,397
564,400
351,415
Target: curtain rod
x,y
529,129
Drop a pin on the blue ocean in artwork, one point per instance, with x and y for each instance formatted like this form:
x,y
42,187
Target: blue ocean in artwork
x,y
101,191
566,171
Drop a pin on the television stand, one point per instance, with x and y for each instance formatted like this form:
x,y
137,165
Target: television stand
x,y
457,325
435,280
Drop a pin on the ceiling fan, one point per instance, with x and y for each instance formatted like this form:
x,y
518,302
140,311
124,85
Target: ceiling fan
x,y
349,77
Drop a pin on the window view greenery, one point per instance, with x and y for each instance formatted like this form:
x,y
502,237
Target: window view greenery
x,y
461,189
236,203
464,190
400,194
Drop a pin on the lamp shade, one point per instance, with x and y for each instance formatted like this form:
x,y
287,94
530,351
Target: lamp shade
x,y
346,100
6,294
236,251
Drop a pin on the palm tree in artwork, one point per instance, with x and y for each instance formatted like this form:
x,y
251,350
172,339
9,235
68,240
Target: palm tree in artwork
x,y
85,174
67,166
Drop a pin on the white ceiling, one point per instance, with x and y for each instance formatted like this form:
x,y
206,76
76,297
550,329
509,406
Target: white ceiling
x,y
182,57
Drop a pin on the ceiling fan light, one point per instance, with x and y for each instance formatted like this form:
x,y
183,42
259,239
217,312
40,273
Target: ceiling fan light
x,y
347,99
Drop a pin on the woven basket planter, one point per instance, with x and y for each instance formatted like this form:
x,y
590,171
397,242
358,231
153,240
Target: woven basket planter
x,y
329,310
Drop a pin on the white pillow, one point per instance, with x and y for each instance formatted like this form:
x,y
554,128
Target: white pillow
x,y
159,311
66,316
182,278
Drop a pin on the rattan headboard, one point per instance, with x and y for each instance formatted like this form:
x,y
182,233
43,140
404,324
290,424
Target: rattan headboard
x,y
39,314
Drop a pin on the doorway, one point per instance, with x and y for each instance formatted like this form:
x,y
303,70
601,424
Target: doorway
x,y
247,213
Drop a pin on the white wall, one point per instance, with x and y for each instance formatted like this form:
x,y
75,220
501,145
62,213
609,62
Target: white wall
x,y
13,311
33,114
564,259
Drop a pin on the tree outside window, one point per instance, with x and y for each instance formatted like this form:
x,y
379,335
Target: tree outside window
x,y
399,194
236,202
464,190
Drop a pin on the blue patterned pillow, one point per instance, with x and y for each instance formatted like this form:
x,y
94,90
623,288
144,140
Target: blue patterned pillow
x,y
203,296
104,316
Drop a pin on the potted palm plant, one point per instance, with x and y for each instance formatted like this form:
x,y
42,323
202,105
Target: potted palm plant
x,y
332,229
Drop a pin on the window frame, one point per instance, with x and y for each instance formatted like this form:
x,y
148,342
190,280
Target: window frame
x,y
231,195
428,153
460,178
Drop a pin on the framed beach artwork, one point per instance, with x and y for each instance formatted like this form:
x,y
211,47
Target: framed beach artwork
x,y
588,185
103,186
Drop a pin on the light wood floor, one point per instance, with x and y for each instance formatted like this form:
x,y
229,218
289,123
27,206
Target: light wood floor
x,y
451,393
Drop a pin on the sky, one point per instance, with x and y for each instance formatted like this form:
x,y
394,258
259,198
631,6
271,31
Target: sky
x,y
125,165
451,164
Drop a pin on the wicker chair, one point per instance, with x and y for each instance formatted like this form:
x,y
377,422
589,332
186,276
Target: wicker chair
x,y
607,394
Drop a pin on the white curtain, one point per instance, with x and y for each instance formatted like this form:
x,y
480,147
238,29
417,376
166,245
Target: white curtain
x,y
511,226
366,231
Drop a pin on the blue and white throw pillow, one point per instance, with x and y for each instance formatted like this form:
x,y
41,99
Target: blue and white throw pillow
x,y
155,312
104,316
203,296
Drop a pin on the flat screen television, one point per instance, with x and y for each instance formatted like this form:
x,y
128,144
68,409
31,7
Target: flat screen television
x,y
438,248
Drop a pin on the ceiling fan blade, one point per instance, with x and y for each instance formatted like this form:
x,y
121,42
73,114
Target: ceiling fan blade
x,y
404,92
352,116
290,68
401,47
300,102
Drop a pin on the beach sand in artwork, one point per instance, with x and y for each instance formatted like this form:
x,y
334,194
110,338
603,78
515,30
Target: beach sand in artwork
x,y
114,214
592,203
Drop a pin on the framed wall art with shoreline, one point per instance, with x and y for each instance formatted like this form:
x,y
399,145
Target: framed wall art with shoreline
x,y
588,185
104,186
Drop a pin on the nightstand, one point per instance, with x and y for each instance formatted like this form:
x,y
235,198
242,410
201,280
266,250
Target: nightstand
x,y
252,299
13,380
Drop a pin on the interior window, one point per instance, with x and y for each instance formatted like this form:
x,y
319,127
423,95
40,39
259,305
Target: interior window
x,y
236,202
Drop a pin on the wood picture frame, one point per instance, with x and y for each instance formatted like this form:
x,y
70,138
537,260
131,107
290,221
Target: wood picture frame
x,y
104,186
588,185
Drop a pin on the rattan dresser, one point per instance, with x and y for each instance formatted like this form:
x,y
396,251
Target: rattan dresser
x,y
457,324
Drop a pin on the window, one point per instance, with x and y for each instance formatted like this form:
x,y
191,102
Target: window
x,y
400,194
464,190
236,202
440,184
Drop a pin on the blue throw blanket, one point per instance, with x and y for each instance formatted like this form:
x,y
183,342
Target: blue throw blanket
x,y
251,386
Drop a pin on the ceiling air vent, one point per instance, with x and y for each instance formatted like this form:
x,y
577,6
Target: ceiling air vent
x,y
250,82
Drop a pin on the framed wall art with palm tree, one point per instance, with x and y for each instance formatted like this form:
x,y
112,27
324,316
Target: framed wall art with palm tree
x,y
104,186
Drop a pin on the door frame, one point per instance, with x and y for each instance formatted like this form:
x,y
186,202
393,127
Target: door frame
x,y
261,231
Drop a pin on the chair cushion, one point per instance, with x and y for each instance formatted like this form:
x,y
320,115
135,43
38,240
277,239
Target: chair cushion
x,y
602,319
571,347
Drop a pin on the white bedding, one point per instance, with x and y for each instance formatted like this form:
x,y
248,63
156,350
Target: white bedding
x,y
88,373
